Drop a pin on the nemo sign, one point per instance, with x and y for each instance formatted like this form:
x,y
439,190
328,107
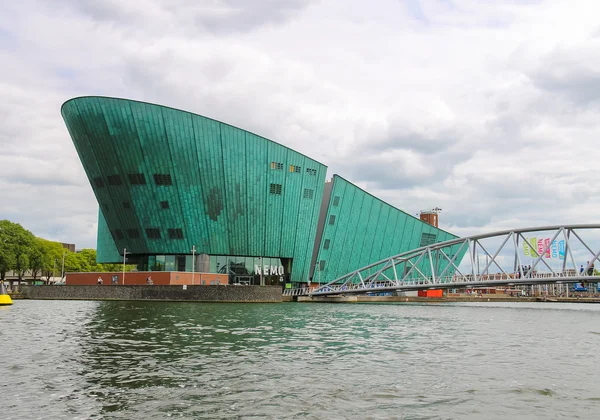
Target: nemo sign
x,y
269,270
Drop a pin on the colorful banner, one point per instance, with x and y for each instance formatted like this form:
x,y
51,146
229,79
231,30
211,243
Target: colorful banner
x,y
561,249
534,247
554,248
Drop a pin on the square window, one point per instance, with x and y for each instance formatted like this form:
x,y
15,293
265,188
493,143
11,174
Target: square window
x,y
275,189
119,233
308,193
164,204
137,179
331,219
99,182
336,200
133,233
114,180
175,233
153,233
126,205
163,179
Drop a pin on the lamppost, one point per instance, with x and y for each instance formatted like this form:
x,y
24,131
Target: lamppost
x,y
193,261
124,257
261,271
62,271
54,270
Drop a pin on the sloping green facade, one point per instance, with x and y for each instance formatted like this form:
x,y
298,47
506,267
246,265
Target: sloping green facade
x,y
360,229
166,179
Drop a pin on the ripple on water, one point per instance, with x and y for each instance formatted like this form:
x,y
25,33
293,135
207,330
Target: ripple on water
x,y
128,360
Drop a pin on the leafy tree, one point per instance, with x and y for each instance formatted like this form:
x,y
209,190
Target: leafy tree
x,y
15,248
52,258
36,257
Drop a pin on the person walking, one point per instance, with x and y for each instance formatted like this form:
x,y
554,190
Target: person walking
x,y
100,280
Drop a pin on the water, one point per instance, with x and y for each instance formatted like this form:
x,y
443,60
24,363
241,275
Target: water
x,y
142,360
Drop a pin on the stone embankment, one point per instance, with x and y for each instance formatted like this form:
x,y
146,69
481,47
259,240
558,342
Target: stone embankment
x,y
224,293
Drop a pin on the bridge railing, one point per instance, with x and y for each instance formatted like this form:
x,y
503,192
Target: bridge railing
x,y
303,291
570,276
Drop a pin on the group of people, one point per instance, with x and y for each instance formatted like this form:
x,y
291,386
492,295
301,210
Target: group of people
x,y
525,269
590,269
148,280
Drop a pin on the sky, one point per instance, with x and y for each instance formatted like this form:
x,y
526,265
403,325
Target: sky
x,y
487,110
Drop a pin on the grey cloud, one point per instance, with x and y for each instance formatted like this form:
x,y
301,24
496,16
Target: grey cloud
x,y
582,86
218,16
572,72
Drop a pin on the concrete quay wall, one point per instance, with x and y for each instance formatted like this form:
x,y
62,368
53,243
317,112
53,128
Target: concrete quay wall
x,y
198,293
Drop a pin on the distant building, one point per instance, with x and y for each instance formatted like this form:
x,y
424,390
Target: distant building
x,y
173,186
70,247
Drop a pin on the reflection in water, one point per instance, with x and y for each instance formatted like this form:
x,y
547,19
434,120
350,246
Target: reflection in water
x,y
134,360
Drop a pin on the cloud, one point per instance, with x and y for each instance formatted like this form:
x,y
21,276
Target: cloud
x,y
487,110
220,17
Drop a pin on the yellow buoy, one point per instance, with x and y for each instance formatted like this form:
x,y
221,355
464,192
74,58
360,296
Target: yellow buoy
x,y
4,298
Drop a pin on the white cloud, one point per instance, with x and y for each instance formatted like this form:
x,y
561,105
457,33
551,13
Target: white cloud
x,y
486,109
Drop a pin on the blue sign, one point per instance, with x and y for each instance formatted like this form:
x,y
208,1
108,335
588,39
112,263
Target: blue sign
x,y
561,249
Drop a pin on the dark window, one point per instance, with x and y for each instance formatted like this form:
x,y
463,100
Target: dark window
x,y
276,165
331,219
311,171
275,189
294,168
336,200
164,204
106,208
119,233
321,265
114,180
175,234
163,179
99,182
137,179
133,233
153,233
428,239
308,193
326,244
126,205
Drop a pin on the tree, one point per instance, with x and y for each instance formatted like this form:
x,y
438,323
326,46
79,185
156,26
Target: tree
x,y
52,253
36,257
15,244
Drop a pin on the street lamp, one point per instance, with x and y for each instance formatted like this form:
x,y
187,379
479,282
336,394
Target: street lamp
x,y
261,271
124,257
193,261
62,271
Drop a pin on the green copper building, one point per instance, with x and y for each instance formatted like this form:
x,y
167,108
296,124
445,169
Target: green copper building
x,y
173,186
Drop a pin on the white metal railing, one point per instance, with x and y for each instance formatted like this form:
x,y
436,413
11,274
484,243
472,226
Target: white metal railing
x,y
303,291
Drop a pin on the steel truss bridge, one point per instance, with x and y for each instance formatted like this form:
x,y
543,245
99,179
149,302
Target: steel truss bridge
x,y
458,263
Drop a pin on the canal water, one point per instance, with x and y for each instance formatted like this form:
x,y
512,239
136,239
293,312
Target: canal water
x,y
143,360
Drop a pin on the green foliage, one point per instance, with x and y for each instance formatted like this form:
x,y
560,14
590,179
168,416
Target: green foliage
x,y
21,251
15,247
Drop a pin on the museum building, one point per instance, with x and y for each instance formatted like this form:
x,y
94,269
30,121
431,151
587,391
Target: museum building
x,y
173,187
